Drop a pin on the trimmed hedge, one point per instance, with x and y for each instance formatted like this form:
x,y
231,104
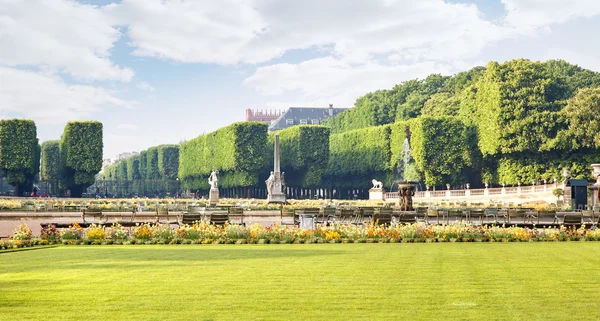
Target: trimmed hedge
x,y
237,151
81,154
168,161
152,171
358,156
51,167
440,148
304,154
143,164
19,152
133,168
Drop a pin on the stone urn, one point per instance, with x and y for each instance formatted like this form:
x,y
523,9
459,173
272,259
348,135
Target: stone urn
x,y
406,191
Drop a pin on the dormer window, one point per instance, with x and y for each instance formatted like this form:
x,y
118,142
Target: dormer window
x,y
314,121
289,121
303,122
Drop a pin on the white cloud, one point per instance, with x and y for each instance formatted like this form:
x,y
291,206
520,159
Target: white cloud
x,y
230,32
527,15
128,126
48,99
583,60
144,86
329,80
60,35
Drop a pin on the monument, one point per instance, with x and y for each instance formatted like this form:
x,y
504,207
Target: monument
x,y
275,184
406,191
213,197
376,193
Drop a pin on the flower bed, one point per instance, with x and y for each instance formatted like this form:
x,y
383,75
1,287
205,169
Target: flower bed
x,y
204,233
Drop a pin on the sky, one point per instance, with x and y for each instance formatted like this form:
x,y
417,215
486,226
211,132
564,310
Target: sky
x,y
160,72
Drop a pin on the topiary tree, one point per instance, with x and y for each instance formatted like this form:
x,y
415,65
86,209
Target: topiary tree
x,y
304,154
19,153
152,171
168,161
51,169
81,154
133,168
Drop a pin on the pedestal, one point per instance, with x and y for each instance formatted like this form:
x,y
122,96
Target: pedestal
x,y
376,194
213,197
595,198
276,198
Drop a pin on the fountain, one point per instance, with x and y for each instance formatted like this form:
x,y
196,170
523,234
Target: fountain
x,y
406,191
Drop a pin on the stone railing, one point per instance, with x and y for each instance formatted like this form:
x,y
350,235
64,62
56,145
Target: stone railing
x,y
540,191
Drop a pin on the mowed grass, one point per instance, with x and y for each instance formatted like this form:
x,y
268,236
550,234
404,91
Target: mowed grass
x,y
441,281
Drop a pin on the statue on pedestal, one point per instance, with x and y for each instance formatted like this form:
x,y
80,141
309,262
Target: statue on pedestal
x,y
213,180
270,182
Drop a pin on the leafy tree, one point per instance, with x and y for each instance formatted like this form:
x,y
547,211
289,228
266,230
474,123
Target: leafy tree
x,y
19,153
81,154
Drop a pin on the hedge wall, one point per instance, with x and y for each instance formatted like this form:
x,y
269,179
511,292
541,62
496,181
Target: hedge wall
x,y
81,154
304,154
238,151
143,164
133,168
152,171
356,157
168,161
19,153
51,167
440,147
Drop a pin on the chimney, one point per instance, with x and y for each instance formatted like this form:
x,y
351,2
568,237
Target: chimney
x,y
330,110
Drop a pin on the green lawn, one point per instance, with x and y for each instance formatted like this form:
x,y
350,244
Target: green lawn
x,y
451,281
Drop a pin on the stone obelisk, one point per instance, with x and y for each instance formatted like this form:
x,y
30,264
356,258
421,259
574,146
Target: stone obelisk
x,y
274,184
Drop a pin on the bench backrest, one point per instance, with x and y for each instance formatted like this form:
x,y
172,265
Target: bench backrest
x,y
218,218
573,218
191,218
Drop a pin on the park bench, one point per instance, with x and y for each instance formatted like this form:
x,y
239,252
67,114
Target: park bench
x,y
547,214
433,213
192,215
384,217
400,216
218,217
286,214
94,213
236,211
572,219
476,212
345,216
328,215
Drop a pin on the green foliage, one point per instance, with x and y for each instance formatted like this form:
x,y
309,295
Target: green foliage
x,y
582,115
152,171
358,156
122,170
81,154
304,154
133,168
440,148
19,152
168,161
51,166
237,151
143,164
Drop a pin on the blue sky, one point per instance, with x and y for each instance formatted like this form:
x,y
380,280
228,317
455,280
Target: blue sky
x,y
158,72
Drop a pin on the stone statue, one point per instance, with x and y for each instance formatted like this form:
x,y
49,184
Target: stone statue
x,y
213,180
283,182
401,198
270,181
377,184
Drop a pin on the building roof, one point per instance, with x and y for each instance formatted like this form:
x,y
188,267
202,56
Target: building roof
x,y
303,115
